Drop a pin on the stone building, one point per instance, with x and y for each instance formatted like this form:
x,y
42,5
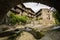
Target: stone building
x,y
22,10
44,15
47,17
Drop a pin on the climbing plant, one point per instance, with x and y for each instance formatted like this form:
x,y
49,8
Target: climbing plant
x,y
13,19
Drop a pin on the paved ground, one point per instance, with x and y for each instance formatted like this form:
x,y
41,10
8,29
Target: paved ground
x,y
52,35
25,35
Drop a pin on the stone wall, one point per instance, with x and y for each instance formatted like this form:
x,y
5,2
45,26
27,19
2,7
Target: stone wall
x,y
46,17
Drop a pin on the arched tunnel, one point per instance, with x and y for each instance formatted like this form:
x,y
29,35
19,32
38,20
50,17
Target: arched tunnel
x,y
6,5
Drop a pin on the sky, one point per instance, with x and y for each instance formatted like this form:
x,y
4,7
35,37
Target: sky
x,y
35,6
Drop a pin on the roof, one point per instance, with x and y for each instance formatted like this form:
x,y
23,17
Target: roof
x,y
35,6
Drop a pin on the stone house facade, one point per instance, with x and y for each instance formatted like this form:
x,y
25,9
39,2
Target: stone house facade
x,y
44,15
47,17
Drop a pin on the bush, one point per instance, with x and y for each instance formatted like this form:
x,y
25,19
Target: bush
x,y
23,19
57,17
38,34
13,19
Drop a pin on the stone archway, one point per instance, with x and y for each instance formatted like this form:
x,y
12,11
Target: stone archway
x,y
6,5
